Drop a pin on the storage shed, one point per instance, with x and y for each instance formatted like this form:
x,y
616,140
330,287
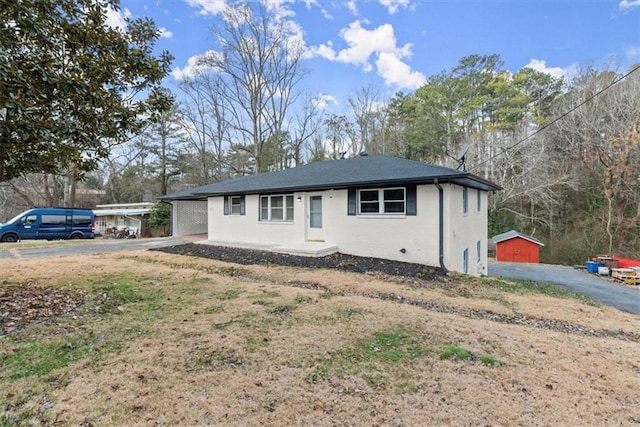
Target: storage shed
x,y
513,246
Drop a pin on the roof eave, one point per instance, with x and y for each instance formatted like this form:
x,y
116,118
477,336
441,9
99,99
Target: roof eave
x,y
462,179
537,242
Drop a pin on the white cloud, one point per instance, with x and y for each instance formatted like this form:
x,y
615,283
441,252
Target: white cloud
x,y
632,52
397,73
196,65
279,8
209,7
363,43
629,4
393,5
353,8
381,43
326,14
116,19
541,66
164,33
322,101
282,14
323,51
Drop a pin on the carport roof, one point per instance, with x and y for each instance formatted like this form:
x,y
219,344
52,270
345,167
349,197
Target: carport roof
x,y
338,174
122,212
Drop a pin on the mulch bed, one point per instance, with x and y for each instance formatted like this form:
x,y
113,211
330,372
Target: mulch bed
x,y
336,261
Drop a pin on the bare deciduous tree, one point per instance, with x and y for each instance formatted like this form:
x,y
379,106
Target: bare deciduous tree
x,y
259,66
306,124
601,138
203,116
365,105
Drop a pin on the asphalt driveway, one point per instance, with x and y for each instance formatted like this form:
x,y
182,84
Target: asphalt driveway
x,y
16,250
622,297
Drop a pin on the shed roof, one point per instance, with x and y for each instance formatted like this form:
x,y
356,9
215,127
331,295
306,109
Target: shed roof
x,y
339,174
513,234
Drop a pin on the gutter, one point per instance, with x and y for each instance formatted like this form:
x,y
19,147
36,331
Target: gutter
x,y
440,224
458,179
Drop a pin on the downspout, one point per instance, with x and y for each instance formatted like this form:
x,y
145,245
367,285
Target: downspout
x,y
441,224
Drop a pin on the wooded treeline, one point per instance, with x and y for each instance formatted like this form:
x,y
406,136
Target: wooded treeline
x,y
566,152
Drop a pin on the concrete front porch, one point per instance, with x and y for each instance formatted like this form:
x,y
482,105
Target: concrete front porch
x,y
310,249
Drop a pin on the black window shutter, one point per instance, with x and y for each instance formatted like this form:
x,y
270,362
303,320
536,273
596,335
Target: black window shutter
x,y
412,208
352,202
242,205
226,205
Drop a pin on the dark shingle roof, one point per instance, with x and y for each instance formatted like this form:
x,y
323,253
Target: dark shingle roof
x,y
182,195
339,174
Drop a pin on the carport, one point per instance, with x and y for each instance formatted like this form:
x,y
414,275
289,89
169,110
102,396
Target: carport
x,y
188,213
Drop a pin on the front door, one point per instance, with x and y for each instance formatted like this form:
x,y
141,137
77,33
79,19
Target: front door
x,y
314,219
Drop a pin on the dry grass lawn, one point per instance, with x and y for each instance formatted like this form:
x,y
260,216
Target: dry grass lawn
x,y
173,340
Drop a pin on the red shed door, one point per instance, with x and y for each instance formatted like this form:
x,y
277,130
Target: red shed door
x,y
518,250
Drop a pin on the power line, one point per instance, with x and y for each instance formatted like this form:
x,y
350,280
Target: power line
x,y
562,116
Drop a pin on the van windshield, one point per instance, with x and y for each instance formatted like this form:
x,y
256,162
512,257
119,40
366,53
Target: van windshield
x,y
16,218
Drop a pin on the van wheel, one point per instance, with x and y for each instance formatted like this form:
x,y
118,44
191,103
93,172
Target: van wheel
x,y
76,236
10,238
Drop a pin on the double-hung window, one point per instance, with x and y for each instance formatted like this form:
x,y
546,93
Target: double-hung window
x,y
235,203
382,201
276,208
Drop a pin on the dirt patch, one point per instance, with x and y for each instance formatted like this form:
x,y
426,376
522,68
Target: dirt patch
x,y
24,304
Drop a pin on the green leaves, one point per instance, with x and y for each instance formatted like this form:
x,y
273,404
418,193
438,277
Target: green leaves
x,y
160,216
64,75
471,101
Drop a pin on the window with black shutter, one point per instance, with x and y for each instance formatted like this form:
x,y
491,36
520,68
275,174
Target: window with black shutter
x,y
234,205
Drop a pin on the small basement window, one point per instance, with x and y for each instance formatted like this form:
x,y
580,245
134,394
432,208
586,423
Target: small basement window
x,y
465,261
465,200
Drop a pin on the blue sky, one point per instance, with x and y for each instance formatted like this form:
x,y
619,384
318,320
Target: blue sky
x,y
395,45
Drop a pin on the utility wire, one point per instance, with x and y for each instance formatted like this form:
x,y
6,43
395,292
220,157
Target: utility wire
x,y
557,119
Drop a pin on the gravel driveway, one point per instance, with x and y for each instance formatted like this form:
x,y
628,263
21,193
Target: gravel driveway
x,y
622,297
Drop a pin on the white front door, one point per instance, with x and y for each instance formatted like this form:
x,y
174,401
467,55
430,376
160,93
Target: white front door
x,y
314,218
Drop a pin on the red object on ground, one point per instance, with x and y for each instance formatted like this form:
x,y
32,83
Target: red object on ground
x,y
518,250
626,262
514,246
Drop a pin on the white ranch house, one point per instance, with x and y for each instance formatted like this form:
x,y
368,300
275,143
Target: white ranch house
x,y
378,206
